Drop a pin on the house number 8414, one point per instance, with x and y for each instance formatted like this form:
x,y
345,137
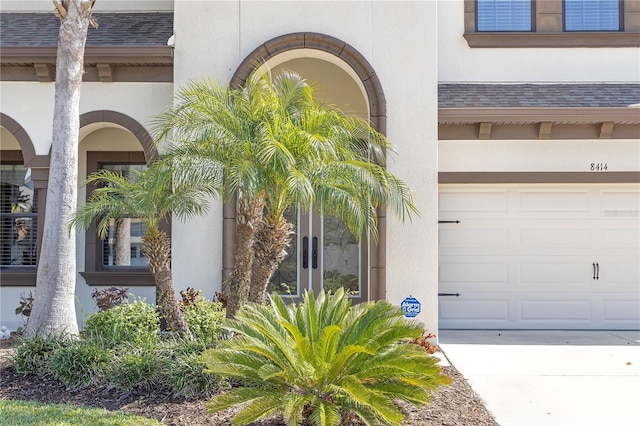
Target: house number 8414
x,y
598,167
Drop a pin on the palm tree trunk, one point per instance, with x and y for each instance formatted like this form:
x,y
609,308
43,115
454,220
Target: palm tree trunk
x,y
249,217
122,242
270,248
54,308
157,249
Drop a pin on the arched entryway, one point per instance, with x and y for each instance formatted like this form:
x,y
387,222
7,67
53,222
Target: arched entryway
x,y
345,78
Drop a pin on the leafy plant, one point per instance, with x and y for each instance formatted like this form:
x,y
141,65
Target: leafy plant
x,y
32,355
80,363
322,361
189,297
25,307
135,367
424,341
130,322
110,297
204,319
187,376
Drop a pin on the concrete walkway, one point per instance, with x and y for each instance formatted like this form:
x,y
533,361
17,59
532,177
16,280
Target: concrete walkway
x,y
551,378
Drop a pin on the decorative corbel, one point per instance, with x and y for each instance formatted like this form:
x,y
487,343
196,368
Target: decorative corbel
x,y
544,131
105,72
605,129
44,73
484,132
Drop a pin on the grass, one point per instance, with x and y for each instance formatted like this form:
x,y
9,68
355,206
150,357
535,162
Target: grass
x,y
21,413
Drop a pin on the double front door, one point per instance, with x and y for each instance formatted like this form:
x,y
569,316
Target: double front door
x,y
323,255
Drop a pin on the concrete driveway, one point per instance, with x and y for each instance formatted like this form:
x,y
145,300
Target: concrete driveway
x,y
551,378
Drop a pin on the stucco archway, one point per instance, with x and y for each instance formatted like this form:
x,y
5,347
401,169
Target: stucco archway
x,y
377,115
106,116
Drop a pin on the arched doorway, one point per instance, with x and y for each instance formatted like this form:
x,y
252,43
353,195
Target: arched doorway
x,y
322,250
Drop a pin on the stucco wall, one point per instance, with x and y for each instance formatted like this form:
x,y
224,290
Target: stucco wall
x,y
457,62
212,39
538,156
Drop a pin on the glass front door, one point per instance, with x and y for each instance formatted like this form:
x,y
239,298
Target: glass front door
x,y
323,254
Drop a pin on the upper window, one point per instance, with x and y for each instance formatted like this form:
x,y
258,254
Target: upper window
x,y
503,15
592,15
18,217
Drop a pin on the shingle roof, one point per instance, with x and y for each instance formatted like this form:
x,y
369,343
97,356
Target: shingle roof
x,y
538,95
115,29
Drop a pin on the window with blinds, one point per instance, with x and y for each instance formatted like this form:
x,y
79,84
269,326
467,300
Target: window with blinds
x,y
592,15
503,15
18,217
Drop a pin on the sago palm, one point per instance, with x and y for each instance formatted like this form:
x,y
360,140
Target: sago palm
x,y
151,196
321,361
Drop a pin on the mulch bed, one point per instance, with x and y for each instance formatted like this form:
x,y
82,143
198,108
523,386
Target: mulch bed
x,y
453,405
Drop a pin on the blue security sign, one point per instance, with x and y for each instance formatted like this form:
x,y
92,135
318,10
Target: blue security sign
x,y
411,307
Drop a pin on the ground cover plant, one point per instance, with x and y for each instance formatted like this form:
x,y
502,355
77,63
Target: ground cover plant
x,y
322,362
122,348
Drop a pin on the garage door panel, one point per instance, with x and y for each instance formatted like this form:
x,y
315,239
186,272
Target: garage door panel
x,y
537,310
482,201
619,274
555,202
470,273
624,238
627,203
546,276
559,257
487,309
562,238
621,309
474,238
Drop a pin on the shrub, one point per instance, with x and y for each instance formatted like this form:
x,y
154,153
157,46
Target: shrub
x,y
130,322
79,363
322,361
32,355
135,366
204,319
187,377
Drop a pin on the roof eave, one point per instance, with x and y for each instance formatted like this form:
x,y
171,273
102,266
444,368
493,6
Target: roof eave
x,y
519,115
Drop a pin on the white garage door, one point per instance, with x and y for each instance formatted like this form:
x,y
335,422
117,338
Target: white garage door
x,y
540,256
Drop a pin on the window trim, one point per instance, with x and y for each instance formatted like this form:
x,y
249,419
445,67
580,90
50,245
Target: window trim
x,y
548,31
95,274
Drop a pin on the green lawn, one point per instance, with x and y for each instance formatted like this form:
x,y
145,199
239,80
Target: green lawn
x,y
21,413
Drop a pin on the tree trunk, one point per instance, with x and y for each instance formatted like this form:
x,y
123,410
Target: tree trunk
x,y
54,308
157,248
249,216
270,249
122,243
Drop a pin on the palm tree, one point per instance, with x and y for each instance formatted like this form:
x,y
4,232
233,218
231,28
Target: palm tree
x,y
230,127
151,196
335,164
322,361
280,149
